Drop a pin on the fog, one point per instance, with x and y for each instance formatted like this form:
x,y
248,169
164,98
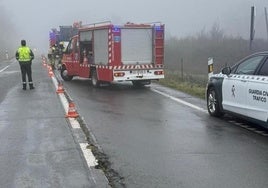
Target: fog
x,y
32,19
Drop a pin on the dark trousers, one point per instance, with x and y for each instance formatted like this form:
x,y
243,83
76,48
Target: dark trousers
x,y
26,69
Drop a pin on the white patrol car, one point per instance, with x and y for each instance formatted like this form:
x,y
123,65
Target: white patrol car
x,y
241,90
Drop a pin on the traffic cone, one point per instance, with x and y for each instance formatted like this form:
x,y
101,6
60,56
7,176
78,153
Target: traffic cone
x,y
60,88
71,111
50,73
44,63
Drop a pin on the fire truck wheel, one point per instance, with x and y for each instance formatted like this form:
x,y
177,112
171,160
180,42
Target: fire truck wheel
x,y
64,74
94,79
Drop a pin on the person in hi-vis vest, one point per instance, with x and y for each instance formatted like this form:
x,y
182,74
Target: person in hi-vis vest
x,y
25,56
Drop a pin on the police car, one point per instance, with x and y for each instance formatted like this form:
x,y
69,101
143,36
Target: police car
x,y
241,89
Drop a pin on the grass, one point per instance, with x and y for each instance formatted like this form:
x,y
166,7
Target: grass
x,y
194,85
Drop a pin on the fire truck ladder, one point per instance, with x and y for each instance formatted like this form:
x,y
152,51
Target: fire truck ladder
x,y
159,44
104,23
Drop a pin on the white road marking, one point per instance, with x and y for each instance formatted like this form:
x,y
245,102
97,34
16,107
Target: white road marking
x,y
248,127
63,99
4,68
260,132
232,121
180,101
64,102
74,123
90,158
55,82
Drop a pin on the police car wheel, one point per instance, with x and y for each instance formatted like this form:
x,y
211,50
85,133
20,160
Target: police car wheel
x,y
213,103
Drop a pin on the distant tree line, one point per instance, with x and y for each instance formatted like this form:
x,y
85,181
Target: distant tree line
x,y
7,35
191,53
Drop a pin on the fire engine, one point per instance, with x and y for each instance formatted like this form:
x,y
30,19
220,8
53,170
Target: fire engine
x,y
64,34
107,53
58,40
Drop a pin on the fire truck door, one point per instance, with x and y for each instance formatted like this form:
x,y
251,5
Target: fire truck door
x,y
71,57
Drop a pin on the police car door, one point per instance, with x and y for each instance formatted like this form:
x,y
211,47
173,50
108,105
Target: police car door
x,y
257,93
234,88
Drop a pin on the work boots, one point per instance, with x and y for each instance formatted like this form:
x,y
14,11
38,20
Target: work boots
x,y
31,86
24,86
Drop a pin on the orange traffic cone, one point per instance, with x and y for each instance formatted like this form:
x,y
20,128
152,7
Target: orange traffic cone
x,y
71,111
60,88
50,73
44,63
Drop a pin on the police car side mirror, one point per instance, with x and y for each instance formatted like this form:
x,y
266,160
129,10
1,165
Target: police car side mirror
x,y
226,70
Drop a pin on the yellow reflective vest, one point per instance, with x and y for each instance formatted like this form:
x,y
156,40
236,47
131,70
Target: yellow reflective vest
x,y
24,54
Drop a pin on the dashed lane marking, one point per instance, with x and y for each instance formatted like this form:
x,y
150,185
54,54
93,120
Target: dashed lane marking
x,y
246,125
88,155
74,123
64,102
63,99
90,158
4,68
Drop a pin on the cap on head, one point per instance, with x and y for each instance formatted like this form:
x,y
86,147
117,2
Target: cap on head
x,y
23,42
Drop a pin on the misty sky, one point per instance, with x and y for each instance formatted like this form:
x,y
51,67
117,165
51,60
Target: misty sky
x,y
34,18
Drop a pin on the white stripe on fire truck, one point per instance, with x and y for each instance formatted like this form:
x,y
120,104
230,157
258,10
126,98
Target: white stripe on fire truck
x,y
126,67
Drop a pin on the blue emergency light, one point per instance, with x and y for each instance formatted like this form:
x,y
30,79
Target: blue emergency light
x,y
158,28
52,35
116,29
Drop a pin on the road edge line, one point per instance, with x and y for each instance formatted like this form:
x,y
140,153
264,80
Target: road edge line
x,y
180,101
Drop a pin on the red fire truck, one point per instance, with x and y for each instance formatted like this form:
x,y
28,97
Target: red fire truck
x,y
112,53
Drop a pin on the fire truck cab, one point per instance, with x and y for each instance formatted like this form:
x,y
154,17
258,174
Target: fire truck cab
x,y
110,53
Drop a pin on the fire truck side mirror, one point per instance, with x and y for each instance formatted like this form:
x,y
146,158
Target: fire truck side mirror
x,y
66,50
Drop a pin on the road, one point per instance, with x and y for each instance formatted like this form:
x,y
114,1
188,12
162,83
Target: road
x,y
153,137
156,140
38,146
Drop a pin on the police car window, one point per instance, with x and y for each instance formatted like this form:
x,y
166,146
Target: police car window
x,y
264,69
249,66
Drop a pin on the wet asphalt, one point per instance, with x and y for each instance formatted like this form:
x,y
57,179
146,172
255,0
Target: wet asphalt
x,y
38,147
151,140
154,141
